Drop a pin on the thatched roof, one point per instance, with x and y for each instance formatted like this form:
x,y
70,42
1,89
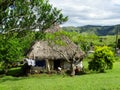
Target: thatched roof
x,y
52,29
51,51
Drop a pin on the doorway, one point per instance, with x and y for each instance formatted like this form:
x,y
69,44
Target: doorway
x,y
56,64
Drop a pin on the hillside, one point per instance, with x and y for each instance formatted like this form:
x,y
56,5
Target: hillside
x,y
98,30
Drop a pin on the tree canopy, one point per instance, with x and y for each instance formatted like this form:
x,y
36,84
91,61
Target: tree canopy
x,y
18,19
17,15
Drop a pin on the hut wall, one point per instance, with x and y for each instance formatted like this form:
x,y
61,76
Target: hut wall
x,y
51,64
66,65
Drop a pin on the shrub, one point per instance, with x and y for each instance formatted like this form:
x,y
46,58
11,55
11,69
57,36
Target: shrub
x,y
14,71
103,59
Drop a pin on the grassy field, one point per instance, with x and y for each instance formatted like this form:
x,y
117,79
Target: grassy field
x,y
92,81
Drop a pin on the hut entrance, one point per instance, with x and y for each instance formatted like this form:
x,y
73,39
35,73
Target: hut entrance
x,y
40,63
56,64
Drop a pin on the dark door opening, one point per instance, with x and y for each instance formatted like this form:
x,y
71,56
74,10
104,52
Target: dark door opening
x,y
40,63
56,64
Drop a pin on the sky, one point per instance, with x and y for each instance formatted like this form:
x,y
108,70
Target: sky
x,y
89,12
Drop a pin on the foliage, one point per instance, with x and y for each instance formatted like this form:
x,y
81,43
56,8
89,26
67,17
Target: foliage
x,y
18,21
39,35
84,41
13,47
103,59
10,50
14,72
25,38
56,37
17,15
87,41
117,58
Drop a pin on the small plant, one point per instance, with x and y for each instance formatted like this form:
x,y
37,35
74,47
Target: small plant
x,y
103,59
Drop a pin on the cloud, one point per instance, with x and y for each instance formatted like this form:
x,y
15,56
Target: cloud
x,y
116,2
84,12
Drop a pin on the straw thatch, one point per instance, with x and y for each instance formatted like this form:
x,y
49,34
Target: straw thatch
x,y
48,50
43,50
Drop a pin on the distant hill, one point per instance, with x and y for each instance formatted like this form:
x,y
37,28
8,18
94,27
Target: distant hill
x,y
93,29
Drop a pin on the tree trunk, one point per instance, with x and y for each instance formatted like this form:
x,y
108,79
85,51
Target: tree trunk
x,y
72,69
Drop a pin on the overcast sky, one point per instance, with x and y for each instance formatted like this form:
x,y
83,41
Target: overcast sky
x,y
89,12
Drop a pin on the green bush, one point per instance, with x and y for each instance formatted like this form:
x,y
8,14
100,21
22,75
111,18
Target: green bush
x,y
14,71
117,58
103,59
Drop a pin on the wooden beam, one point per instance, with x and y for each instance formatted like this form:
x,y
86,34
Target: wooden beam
x,y
47,65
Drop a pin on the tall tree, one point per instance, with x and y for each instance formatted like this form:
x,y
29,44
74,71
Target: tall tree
x,y
18,15
17,19
69,51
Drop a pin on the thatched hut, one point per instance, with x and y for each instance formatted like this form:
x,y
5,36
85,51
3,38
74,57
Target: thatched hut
x,y
52,56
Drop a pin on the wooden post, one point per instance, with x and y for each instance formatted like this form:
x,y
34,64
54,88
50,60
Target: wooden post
x,y
116,39
72,68
52,65
48,65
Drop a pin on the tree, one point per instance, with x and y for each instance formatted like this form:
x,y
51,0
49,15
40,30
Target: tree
x,y
10,51
61,42
103,59
18,15
13,48
85,41
18,20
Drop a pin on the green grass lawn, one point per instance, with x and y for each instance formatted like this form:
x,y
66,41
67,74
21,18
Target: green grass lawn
x,y
92,81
